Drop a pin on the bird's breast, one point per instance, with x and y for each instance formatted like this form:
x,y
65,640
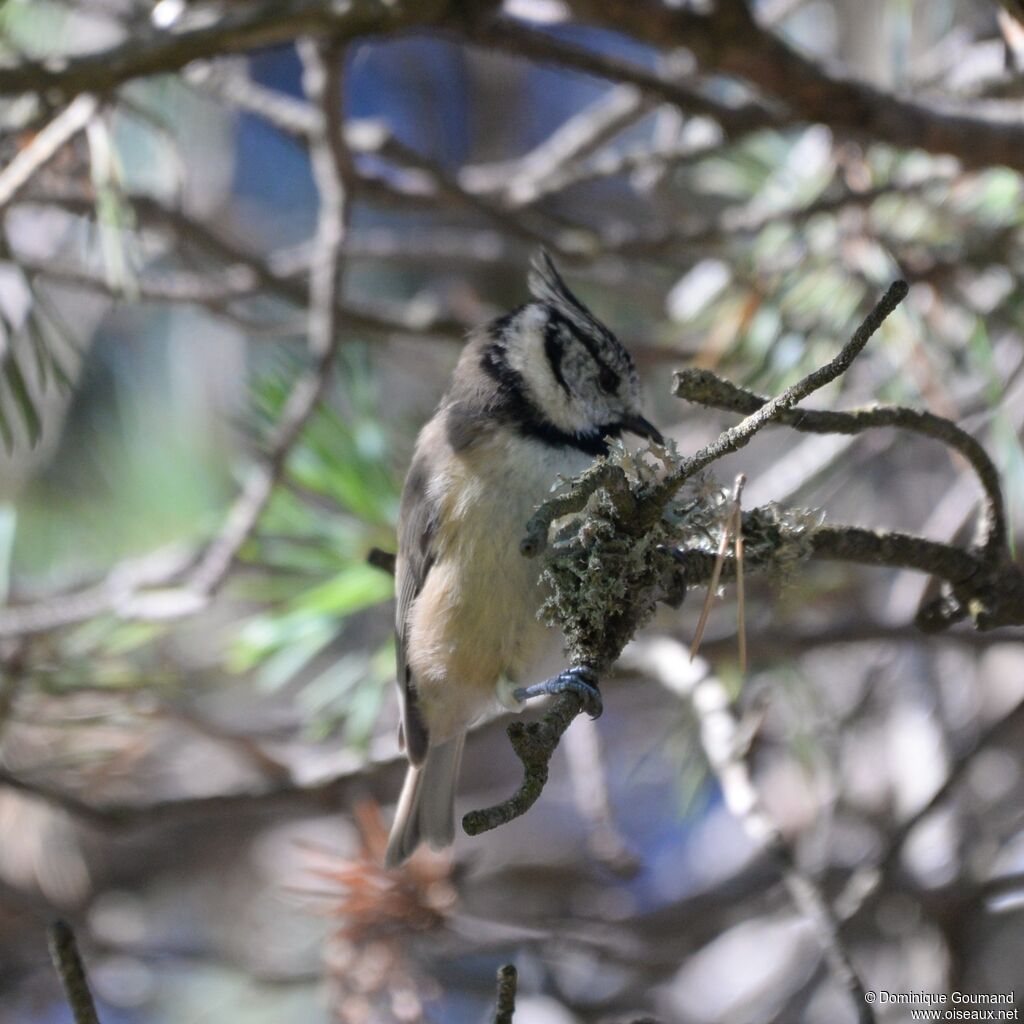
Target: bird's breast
x,y
475,619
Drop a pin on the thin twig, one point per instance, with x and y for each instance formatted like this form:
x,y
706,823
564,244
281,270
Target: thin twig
x,y
879,878
1001,729
505,1007
517,38
324,794
235,29
115,592
45,146
523,180
68,962
737,437
729,41
706,388
218,290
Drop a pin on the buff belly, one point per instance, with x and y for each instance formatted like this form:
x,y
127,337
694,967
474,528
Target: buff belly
x,y
474,622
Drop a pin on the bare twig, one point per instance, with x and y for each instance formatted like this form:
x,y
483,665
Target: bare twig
x,y
748,220
515,37
1001,729
505,1006
45,146
326,794
727,42
68,962
331,169
218,290
523,180
115,592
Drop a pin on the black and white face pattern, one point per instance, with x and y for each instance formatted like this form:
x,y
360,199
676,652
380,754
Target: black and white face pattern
x,y
570,378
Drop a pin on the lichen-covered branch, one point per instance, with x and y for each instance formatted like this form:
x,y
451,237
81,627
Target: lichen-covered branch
x,y
533,744
706,388
600,476
737,437
992,595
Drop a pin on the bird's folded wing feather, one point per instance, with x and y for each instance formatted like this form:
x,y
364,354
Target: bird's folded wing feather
x,y
417,526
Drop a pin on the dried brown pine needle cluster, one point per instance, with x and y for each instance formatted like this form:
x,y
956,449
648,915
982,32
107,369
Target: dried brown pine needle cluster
x,y
377,912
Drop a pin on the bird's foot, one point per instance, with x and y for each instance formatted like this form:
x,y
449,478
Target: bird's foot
x,y
578,679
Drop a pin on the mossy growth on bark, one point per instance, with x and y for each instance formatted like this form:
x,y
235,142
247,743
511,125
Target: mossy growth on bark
x,y
612,562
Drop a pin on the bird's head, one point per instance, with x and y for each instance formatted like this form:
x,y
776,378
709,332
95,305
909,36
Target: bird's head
x,y
571,369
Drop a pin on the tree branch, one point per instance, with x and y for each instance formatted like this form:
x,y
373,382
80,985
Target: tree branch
x,y
516,38
669,661
237,28
730,41
505,1007
68,962
323,795
44,147
737,437
704,387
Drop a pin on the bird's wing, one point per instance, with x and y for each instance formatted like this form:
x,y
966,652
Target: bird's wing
x,y
417,526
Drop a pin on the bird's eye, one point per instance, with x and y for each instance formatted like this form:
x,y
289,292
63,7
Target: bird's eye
x,y
608,380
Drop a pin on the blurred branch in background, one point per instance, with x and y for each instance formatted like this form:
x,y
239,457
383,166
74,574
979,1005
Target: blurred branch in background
x,y
724,747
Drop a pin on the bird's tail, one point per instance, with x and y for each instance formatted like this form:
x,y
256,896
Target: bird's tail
x,y
426,808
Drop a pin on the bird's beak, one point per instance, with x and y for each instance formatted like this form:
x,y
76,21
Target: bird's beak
x,y
642,428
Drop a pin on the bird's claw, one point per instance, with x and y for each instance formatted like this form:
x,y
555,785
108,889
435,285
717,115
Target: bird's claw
x,y
578,679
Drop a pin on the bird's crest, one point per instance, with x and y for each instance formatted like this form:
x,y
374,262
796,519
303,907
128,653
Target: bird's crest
x,y
546,285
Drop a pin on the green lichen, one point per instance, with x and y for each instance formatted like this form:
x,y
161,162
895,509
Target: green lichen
x,y
611,563
608,568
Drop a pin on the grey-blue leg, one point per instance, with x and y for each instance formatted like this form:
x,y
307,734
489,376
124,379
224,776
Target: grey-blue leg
x,y
578,679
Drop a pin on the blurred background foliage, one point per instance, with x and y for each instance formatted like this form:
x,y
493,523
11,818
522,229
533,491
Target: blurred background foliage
x,y
152,291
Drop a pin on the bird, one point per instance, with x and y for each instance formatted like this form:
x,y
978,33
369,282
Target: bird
x,y
536,395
